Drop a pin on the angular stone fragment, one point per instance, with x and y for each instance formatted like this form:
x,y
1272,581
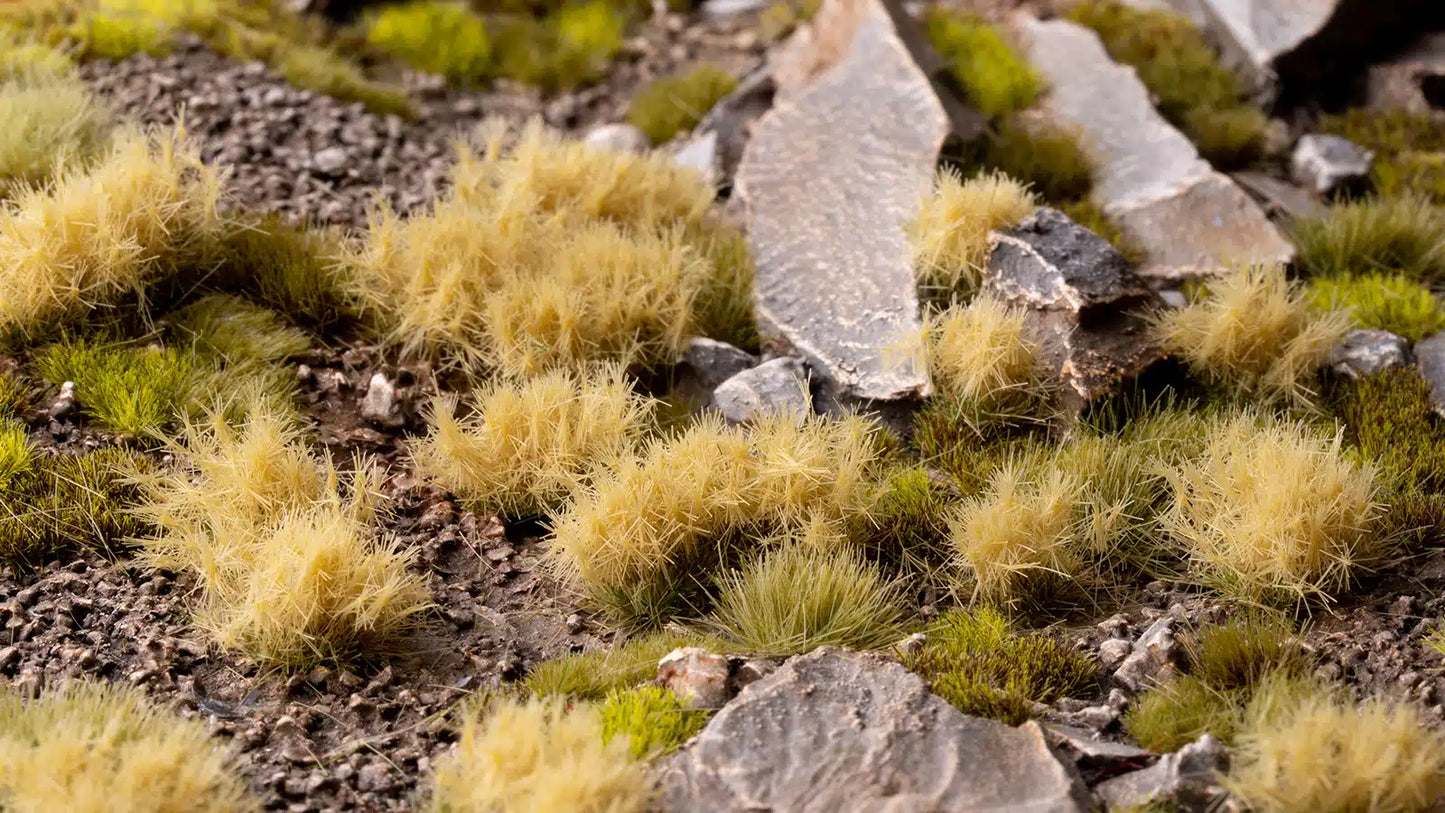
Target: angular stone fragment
x,y
1430,358
831,176
1365,352
1083,304
834,731
617,138
712,362
1186,780
1413,81
1149,178
1328,164
1280,199
777,387
700,679
379,403
1153,654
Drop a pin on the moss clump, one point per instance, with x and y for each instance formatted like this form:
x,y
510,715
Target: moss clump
x,y
975,661
538,755
651,718
90,747
56,502
1383,302
907,529
571,46
14,395
130,390
237,331
1046,156
996,77
1193,90
1409,149
677,103
289,269
1385,235
437,36
1177,713
594,675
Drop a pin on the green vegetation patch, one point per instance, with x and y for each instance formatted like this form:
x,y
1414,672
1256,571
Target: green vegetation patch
x,y
1384,302
652,719
594,675
51,119
975,661
1409,149
676,104
436,36
134,390
998,80
54,502
1401,235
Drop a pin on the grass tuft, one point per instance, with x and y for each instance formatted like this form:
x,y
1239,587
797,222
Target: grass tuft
x,y
238,331
52,120
795,599
652,718
1241,653
1374,300
61,502
532,444
437,36
1046,156
134,390
676,104
90,747
16,454
1409,149
287,268
975,661
997,78
980,356
594,675
1385,235
1255,334
950,236
571,46
515,757
1271,511
14,395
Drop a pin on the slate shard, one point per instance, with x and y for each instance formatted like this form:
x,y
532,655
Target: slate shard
x,y
1150,181
1327,164
833,731
831,176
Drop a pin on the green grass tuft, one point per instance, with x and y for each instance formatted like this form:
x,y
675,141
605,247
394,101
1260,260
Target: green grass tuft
x,y
794,599
15,452
1176,713
1404,235
135,390
996,77
676,104
1409,149
51,120
652,719
907,529
436,36
1383,302
1044,155
1241,653
14,395
290,269
571,46
975,661
59,502
237,331
1193,90
594,675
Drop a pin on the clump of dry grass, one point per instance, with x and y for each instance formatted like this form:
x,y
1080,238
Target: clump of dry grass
x,y
1255,334
52,119
537,757
950,236
90,748
290,571
546,254
533,443
1321,752
654,522
1271,510
980,355
102,233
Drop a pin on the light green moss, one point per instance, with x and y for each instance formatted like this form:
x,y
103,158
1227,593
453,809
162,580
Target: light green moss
x,y
437,36
676,104
996,77
1382,302
652,719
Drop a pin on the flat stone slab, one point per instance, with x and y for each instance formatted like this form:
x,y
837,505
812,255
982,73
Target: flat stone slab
x,y
840,731
830,177
1149,179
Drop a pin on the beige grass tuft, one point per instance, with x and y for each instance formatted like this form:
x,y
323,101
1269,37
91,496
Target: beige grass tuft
x,y
533,443
51,119
101,233
1254,335
538,757
950,236
89,748
1272,510
1018,537
980,355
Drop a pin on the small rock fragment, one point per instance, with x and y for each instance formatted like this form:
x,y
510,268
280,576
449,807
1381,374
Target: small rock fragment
x,y
65,401
833,730
729,8
1329,164
1281,200
1365,351
775,388
699,678
1113,652
618,138
1430,358
330,161
1154,652
1151,182
1413,81
711,362
700,153
1186,780
379,404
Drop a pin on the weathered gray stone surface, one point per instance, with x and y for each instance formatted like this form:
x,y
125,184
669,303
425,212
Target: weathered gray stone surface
x,y
1430,358
830,177
713,362
1364,352
1280,199
1149,178
1328,164
1413,81
701,679
834,731
617,138
777,387
1083,303
1153,654
1186,780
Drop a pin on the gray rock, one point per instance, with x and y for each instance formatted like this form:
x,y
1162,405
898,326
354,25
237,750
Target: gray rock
x,y
701,679
1364,352
777,387
831,177
1087,744
379,403
1083,304
1113,652
712,362
701,153
833,731
1150,180
1328,164
1186,780
330,161
65,401
618,138
1150,657
1413,81
1430,358
1281,200
719,140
